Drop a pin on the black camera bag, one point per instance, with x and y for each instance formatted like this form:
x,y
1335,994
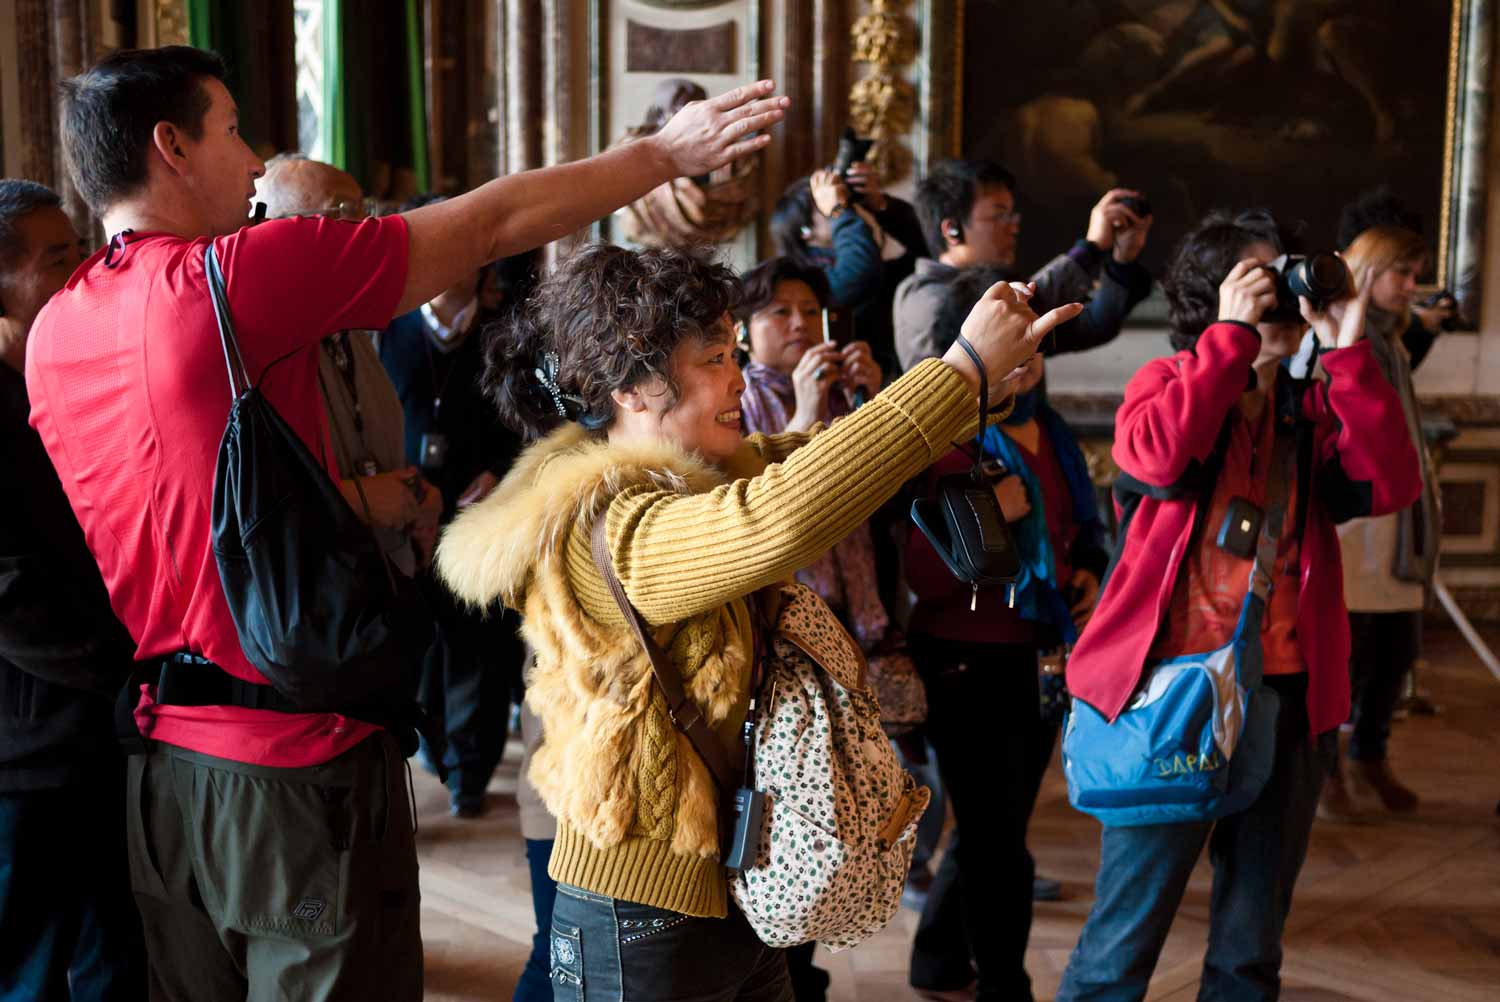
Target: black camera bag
x,y
317,607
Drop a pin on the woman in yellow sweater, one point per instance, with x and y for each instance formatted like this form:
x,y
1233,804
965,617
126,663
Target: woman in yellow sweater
x,y
623,371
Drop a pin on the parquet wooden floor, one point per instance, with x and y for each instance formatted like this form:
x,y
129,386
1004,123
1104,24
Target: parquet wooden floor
x,y
1407,910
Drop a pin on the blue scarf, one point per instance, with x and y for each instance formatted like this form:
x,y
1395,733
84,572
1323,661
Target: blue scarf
x,y
1038,597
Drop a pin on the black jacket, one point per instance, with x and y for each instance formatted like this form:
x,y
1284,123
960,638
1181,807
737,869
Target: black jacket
x,y
63,655
477,441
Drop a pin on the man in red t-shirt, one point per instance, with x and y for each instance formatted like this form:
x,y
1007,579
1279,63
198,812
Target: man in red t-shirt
x,y
271,853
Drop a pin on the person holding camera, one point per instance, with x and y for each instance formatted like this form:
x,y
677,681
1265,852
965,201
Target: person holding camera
x,y
1198,432
1389,561
866,241
623,373
968,211
981,656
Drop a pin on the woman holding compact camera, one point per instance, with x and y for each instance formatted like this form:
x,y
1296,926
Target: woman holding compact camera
x,y
1390,560
866,241
1198,434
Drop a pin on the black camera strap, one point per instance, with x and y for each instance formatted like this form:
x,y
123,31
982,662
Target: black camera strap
x,y
984,400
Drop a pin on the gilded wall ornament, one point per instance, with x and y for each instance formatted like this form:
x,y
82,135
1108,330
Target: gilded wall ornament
x,y
171,22
882,105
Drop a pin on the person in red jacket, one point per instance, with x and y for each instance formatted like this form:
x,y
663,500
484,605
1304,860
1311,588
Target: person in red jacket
x,y
1195,431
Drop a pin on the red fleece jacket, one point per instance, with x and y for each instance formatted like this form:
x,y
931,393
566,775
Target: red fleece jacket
x,y
1362,463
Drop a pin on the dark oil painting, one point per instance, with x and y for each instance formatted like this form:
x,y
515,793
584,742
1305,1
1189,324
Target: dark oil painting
x,y
1296,105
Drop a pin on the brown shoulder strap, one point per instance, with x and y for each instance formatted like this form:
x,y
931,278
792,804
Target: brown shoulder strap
x,y
684,712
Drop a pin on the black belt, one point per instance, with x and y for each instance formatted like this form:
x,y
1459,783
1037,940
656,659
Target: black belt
x,y
188,680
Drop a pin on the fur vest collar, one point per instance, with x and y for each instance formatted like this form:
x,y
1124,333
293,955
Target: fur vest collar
x,y
612,766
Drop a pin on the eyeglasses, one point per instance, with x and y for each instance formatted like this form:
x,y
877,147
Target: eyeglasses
x,y
1004,219
353,210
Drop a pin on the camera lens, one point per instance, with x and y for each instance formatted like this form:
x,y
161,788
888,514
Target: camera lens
x,y
1320,277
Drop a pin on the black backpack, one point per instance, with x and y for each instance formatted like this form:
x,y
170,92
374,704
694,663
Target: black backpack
x,y
317,607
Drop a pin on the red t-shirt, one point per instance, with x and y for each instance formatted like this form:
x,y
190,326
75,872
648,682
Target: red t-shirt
x,y
130,394
1210,592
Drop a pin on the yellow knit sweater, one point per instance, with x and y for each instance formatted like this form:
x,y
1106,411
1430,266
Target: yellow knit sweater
x,y
635,805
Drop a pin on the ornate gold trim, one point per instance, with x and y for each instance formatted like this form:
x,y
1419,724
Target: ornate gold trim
x,y
170,21
883,104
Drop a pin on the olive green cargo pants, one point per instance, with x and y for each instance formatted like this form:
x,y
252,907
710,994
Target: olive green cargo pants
x,y
258,884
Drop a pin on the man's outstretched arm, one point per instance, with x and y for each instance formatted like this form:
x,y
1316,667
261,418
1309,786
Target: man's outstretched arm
x,y
512,214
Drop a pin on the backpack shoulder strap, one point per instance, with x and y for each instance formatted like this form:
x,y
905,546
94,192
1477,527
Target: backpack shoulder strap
x,y
684,712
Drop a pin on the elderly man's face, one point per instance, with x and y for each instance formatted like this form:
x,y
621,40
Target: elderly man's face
x,y
50,252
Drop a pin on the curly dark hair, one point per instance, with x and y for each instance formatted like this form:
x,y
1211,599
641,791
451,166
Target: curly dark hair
x,y
612,317
760,284
1201,260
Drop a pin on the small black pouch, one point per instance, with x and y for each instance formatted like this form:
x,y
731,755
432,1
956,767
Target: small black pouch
x,y
963,520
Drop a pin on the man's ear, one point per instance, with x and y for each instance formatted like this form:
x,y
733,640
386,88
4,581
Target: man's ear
x,y
168,143
629,400
953,232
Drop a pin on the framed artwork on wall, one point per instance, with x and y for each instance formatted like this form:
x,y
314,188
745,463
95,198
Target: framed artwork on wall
x,y
1296,105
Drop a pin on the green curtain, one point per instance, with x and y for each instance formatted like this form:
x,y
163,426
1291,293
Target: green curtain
x,y
224,27
358,79
417,97
333,129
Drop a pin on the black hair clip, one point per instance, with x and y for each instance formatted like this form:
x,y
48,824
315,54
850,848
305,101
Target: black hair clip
x,y
546,374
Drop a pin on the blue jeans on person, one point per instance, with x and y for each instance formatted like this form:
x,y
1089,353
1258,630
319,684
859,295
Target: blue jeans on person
x,y
1256,855
535,984
68,924
608,950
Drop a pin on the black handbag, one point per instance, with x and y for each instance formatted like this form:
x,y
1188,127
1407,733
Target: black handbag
x,y
963,522
318,609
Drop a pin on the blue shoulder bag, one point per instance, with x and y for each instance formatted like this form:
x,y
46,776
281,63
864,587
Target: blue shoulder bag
x,y
1198,739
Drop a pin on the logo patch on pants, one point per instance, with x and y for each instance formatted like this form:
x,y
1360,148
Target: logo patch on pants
x,y
309,909
562,950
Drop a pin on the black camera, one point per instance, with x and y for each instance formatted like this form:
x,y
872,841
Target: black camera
x,y
852,150
1442,297
1321,277
1139,204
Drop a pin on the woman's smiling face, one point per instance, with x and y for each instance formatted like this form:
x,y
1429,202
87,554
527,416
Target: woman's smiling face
x,y
705,416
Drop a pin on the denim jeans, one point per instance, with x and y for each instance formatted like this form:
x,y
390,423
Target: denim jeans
x,y
608,950
1256,856
67,916
535,984
1383,647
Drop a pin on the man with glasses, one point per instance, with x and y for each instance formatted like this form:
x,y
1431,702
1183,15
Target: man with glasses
x,y
976,919
968,213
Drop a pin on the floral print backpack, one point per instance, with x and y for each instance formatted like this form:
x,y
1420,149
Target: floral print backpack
x,y
841,821
839,816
